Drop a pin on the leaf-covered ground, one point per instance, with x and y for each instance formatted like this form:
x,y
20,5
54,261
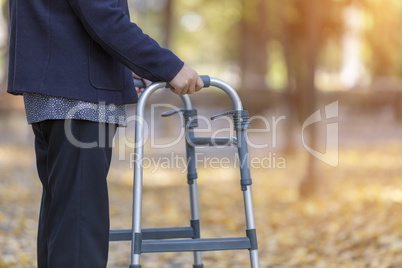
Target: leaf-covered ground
x,y
354,221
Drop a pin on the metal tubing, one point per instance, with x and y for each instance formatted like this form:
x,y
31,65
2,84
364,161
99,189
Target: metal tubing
x,y
230,91
191,169
209,141
195,215
153,233
187,102
198,259
245,177
138,171
205,244
246,187
248,205
254,259
193,191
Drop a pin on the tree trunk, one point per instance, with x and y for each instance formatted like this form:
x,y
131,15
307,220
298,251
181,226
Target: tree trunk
x,y
307,94
167,23
291,111
253,44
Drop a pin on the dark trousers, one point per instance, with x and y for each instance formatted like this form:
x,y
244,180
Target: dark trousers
x,y
73,159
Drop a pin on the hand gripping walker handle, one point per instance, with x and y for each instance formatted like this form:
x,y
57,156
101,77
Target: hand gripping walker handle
x,y
205,79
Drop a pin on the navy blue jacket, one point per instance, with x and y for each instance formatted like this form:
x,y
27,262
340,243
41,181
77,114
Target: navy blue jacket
x,y
82,49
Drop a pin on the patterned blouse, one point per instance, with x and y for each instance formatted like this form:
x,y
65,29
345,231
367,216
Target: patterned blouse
x,y
40,107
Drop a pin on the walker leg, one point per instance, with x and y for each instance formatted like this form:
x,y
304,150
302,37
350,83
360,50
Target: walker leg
x,y
195,222
254,258
192,182
246,182
198,260
198,265
251,231
136,239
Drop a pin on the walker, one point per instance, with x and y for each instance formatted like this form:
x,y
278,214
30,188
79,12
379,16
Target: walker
x,y
180,239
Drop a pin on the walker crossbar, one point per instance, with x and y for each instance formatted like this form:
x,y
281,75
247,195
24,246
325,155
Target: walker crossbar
x,y
216,141
153,233
178,239
204,244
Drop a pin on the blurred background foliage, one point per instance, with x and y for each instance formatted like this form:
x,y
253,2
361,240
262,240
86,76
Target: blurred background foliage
x,y
268,39
276,45
286,58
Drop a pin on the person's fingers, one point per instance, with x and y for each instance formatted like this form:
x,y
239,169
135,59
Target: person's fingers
x,y
139,90
176,91
146,82
191,88
199,84
193,83
186,81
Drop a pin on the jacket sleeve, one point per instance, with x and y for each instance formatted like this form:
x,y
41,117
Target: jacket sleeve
x,y
109,26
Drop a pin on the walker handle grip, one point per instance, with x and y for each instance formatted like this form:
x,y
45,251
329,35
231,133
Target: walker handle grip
x,y
139,83
205,79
